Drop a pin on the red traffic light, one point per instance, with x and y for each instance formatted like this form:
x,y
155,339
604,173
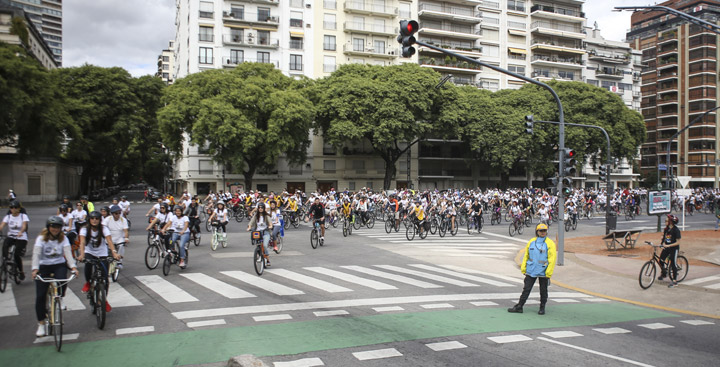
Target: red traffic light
x,y
408,27
570,153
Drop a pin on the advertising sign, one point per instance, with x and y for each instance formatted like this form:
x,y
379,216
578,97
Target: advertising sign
x,y
659,202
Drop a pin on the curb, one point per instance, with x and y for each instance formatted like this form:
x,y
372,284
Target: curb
x,y
245,360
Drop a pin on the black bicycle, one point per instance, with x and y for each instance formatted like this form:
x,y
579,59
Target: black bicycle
x,y
172,256
475,224
98,288
416,230
649,270
9,267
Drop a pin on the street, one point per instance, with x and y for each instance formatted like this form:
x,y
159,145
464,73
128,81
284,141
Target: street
x,y
370,299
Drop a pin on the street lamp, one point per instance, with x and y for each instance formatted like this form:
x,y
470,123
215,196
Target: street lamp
x,y
697,21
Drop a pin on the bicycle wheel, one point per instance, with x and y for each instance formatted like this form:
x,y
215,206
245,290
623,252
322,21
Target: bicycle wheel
x,y
388,227
410,233
647,275
57,323
423,233
279,243
567,225
371,222
520,228
314,238
434,226
113,271
167,263
335,222
574,225
208,225
511,229
214,241
682,268
150,237
357,223
507,216
350,229
196,239
454,231
470,226
3,277
295,221
100,300
259,260
345,228
223,239
442,229
152,256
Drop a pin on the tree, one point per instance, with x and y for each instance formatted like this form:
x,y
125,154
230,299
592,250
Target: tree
x,y
392,107
247,116
32,115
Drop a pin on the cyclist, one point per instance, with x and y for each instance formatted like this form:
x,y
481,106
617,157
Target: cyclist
x,y
155,209
717,214
64,213
66,202
671,243
118,227
79,217
181,224
276,217
220,214
96,242
317,210
418,213
105,212
331,210
124,204
262,222
538,263
476,211
51,257
17,224
193,213
88,206
160,220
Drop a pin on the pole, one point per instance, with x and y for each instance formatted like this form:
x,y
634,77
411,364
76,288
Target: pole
x,y
561,122
702,23
667,155
408,168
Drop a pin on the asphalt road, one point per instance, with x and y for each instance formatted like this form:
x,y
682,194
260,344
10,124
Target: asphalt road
x,y
369,299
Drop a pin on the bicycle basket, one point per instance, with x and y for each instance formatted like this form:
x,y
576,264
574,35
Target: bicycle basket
x,y
256,235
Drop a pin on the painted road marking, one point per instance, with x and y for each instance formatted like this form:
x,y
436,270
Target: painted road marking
x,y
272,317
262,283
72,301
509,339
395,277
135,330
489,256
7,302
561,334
377,354
613,330
506,237
464,251
352,278
437,305
245,254
462,275
194,324
330,313
697,322
386,301
313,282
454,242
388,309
657,325
446,346
713,286
595,352
484,303
472,271
305,362
217,286
597,299
423,274
168,291
51,339
565,300
119,297
701,280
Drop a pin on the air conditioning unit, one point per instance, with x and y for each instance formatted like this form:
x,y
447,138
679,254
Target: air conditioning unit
x,y
307,25
250,41
308,5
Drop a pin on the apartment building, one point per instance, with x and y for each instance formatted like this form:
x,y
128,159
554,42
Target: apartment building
x,y
46,15
166,63
35,44
679,85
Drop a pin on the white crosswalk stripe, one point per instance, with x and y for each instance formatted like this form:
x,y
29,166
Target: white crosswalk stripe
x,y
395,277
313,282
262,283
462,275
168,291
437,278
119,297
7,302
217,286
352,278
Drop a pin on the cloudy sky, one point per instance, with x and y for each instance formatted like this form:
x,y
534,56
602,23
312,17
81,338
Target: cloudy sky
x,y
132,33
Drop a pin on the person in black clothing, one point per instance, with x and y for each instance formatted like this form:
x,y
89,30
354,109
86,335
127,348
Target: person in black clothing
x,y
193,214
671,243
318,212
477,208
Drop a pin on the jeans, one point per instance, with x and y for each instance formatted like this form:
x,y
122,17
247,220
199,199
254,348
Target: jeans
x,y
276,231
41,288
184,238
266,241
89,270
529,282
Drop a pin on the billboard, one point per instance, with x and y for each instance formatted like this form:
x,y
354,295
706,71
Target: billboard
x,y
659,202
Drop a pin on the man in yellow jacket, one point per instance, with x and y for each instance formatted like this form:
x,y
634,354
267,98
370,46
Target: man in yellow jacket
x,y
539,262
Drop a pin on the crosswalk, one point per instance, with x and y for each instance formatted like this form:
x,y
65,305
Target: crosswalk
x,y
460,245
710,282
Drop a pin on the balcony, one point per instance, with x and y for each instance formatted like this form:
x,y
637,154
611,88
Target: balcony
x,y
552,12
557,29
449,66
668,62
546,60
557,45
267,2
370,29
251,19
667,87
546,75
667,37
609,73
493,6
667,51
668,99
385,52
462,48
296,44
456,31
609,57
450,13
250,41
231,62
371,8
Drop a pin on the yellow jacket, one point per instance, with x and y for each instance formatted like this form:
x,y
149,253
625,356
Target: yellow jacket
x,y
540,258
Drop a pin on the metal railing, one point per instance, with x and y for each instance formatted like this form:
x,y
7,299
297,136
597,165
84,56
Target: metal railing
x,y
296,45
552,9
468,12
489,4
451,28
375,7
556,26
374,28
256,18
567,60
249,40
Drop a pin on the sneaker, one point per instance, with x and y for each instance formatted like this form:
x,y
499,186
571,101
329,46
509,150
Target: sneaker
x,y
107,307
86,287
672,284
661,277
275,248
267,263
541,311
21,275
515,309
40,330
182,264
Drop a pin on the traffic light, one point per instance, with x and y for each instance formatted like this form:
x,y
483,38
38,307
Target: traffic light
x,y
529,122
602,172
569,162
552,182
407,29
567,186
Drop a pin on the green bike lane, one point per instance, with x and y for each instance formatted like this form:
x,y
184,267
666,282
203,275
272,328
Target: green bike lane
x,y
218,345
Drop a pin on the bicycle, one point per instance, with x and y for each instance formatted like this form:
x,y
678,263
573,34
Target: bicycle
x,y
446,225
155,250
98,289
347,225
588,211
172,256
239,213
332,220
570,222
217,237
365,219
516,226
648,270
496,217
630,212
391,224
475,222
315,235
53,307
415,229
260,260
9,268
113,269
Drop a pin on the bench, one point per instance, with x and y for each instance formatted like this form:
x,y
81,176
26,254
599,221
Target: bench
x,y
626,239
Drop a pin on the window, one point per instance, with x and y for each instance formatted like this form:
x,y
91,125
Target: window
x,y
379,47
489,50
296,3
236,35
205,166
166,67
262,187
567,75
329,64
358,44
296,19
206,55
351,185
329,166
237,11
516,5
517,69
359,166
329,4
263,37
166,58
369,185
166,75
329,43
236,56
34,185
206,34
607,84
296,169
263,14
405,11
296,43
592,82
296,62
263,57
206,9
379,25
329,21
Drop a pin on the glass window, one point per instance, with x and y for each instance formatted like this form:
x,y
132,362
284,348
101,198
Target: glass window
x,y
517,69
329,64
166,76
379,47
296,19
329,164
296,62
236,56
263,56
329,21
237,11
296,3
236,35
206,34
329,43
263,37
517,5
358,44
166,67
329,4
405,11
206,9
206,55
263,14
489,50
296,43
166,58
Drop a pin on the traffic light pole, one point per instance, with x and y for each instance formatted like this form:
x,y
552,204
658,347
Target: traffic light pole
x,y
561,123
607,165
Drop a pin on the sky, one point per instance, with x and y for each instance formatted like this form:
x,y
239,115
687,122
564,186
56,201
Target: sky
x,y
132,33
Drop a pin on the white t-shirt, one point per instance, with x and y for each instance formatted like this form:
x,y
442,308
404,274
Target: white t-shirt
x,y
116,227
95,243
124,205
156,209
51,252
275,214
163,217
66,222
261,225
179,223
79,216
221,215
14,225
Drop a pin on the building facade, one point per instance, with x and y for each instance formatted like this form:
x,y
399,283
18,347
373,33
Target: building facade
x,y
46,15
166,64
34,44
679,85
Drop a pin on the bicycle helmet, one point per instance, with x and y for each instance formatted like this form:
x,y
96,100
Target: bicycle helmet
x,y
115,209
178,207
261,205
95,214
66,197
220,203
54,221
84,197
64,208
116,198
105,208
14,204
123,197
164,206
673,218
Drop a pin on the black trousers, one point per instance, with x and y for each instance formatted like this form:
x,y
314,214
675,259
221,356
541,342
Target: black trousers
x,y
529,283
41,288
20,246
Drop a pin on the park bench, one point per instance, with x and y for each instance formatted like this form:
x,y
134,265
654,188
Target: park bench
x,y
626,239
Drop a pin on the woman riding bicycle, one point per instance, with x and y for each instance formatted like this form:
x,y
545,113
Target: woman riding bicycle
x,y
160,219
220,214
261,221
51,257
181,224
671,243
276,217
17,224
96,242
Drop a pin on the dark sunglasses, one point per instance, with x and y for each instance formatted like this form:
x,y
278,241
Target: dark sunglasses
x,y
542,230
14,207
56,226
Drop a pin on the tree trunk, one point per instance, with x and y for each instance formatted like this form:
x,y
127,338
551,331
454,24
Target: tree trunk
x,y
248,174
529,174
389,172
504,180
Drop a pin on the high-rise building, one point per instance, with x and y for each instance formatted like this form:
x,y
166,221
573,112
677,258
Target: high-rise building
x,y
679,84
34,44
47,17
166,64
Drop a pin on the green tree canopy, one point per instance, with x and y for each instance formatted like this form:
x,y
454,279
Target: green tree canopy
x,y
247,116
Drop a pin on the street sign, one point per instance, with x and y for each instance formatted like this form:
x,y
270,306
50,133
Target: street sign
x,y
684,192
684,180
662,167
659,202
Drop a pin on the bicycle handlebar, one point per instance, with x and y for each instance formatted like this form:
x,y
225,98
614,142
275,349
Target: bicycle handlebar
x,y
653,245
51,280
